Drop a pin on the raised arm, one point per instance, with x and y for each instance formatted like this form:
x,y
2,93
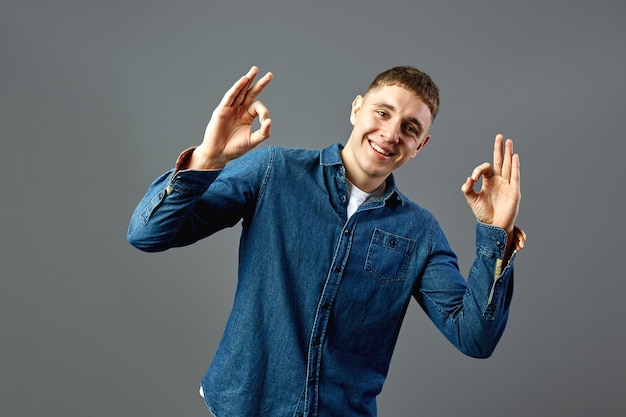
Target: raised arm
x,y
166,216
229,132
472,313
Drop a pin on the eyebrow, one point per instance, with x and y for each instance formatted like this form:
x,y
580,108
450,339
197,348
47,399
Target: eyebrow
x,y
392,108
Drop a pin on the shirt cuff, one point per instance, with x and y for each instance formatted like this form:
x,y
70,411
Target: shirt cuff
x,y
519,239
183,159
193,178
182,162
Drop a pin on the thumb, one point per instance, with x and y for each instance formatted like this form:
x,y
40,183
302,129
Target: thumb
x,y
262,133
468,190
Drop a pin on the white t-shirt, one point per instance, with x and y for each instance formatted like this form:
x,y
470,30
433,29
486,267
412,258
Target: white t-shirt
x,y
358,196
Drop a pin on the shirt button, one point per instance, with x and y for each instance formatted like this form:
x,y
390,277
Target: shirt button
x,y
325,305
346,232
500,245
499,283
311,381
316,341
344,198
337,269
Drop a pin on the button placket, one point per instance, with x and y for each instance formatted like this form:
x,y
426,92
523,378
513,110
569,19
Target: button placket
x,y
322,318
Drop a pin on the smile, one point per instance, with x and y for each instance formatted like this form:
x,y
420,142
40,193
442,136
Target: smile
x,y
379,149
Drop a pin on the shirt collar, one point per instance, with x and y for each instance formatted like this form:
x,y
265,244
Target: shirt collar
x,y
331,156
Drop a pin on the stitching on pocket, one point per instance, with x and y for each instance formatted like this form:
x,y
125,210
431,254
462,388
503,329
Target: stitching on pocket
x,y
388,256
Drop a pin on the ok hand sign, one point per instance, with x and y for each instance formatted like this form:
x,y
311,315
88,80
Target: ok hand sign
x,y
497,202
229,132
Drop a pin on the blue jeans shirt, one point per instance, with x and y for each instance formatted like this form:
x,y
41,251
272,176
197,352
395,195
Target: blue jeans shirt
x,y
320,298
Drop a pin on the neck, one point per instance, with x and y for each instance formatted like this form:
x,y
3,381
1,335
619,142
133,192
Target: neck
x,y
364,182
368,186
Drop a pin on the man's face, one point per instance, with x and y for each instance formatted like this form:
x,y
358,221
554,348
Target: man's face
x,y
391,125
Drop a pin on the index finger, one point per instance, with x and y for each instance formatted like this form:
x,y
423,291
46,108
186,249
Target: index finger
x,y
237,93
257,88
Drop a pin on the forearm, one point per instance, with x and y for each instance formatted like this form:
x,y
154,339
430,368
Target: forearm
x,y
164,217
183,205
489,292
471,313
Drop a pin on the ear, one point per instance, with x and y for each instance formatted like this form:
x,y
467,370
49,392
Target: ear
x,y
420,146
356,107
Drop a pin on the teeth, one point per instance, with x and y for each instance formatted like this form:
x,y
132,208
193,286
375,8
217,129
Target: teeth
x,y
379,149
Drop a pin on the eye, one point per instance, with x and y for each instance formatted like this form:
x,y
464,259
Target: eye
x,y
381,113
411,129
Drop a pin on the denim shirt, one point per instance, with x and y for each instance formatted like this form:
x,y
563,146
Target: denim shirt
x,y
320,298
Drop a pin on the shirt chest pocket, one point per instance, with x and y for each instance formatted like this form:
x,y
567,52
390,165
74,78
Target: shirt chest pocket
x,y
388,256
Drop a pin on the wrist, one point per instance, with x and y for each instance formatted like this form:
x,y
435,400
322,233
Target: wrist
x,y
199,160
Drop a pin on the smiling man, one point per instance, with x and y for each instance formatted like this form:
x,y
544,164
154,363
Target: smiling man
x,y
391,125
331,251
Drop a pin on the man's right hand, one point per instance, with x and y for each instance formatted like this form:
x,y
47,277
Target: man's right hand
x,y
229,132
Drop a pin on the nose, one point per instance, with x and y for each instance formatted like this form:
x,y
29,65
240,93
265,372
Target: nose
x,y
390,133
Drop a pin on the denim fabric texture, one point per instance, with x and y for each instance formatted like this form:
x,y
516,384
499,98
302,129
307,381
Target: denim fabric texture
x,y
320,298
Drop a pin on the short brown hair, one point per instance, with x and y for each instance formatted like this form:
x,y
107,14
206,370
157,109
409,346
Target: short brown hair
x,y
412,79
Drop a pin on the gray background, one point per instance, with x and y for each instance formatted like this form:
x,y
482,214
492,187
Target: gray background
x,y
98,98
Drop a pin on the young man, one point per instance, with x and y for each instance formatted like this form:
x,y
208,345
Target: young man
x,y
331,252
